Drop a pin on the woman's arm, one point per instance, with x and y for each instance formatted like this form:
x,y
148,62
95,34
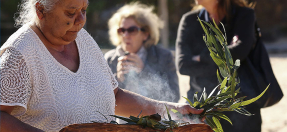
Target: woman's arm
x,y
12,69
131,104
189,39
9,123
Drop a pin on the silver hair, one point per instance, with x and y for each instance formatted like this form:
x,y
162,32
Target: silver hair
x,y
27,11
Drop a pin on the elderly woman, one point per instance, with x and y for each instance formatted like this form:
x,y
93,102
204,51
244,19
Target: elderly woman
x,y
138,63
50,80
193,58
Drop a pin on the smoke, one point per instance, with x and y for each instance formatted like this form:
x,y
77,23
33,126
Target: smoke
x,y
152,85
156,86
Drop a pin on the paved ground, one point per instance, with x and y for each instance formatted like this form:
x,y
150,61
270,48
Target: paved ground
x,y
274,118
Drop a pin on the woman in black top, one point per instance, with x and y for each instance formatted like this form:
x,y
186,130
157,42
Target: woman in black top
x,y
192,55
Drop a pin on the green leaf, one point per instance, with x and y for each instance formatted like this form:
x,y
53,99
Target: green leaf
x,y
228,56
123,118
168,113
204,95
217,59
208,100
195,104
114,122
216,31
224,31
247,102
211,93
141,121
135,119
203,27
223,84
218,47
214,23
218,77
190,103
233,84
220,39
222,94
202,98
210,122
214,102
243,111
178,114
224,100
103,115
217,123
225,89
221,115
139,114
223,72
195,98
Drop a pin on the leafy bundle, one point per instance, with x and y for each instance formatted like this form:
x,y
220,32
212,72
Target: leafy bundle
x,y
222,98
225,97
153,121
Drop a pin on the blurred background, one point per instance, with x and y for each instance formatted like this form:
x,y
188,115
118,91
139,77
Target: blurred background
x,y
271,16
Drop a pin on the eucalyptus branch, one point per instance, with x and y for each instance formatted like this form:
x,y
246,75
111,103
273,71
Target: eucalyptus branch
x,y
225,99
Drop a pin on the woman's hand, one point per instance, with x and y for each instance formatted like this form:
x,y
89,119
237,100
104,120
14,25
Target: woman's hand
x,y
189,113
122,68
127,63
187,109
136,62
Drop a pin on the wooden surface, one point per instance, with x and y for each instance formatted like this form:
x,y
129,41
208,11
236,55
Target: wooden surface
x,y
102,127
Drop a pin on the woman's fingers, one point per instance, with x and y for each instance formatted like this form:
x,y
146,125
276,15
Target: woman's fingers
x,y
195,111
136,62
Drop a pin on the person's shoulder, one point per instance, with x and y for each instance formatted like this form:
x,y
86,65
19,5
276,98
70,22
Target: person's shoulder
x,y
245,11
109,54
190,17
192,13
22,39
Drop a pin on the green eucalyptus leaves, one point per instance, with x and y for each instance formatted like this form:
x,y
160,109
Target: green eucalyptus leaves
x,y
223,96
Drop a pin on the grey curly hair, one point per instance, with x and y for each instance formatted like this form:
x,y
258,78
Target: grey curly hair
x,y
27,10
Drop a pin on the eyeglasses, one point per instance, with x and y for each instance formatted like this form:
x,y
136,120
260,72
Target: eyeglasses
x,y
131,30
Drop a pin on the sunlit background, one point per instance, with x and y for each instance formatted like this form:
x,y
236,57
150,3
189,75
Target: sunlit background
x,y
271,16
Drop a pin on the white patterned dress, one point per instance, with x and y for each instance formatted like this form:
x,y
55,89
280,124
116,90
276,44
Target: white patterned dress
x,y
46,94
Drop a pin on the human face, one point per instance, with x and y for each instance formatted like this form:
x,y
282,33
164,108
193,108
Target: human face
x,y
132,42
61,25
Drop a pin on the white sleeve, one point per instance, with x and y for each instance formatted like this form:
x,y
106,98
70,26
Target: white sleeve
x,y
15,84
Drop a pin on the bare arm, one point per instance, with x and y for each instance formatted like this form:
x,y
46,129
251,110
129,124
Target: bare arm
x,y
9,123
129,103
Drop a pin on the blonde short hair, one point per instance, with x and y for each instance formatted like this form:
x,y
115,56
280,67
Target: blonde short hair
x,y
143,15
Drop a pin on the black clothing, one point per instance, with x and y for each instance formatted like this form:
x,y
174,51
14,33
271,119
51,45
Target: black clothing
x,y
202,74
